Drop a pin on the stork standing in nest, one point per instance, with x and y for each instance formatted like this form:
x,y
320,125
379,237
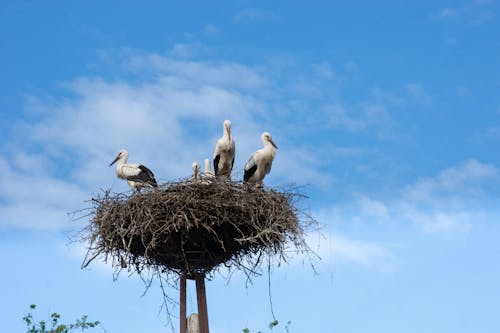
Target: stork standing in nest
x,y
208,175
136,175
259,164
196,172
224,153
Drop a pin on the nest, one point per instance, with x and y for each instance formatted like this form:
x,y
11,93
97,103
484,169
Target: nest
x,y
191,227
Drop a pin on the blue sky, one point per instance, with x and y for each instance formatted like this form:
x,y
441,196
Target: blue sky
x,y
388,112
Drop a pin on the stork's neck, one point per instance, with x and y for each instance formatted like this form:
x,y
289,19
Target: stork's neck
x,y
122,160
268,146
227,132
196,170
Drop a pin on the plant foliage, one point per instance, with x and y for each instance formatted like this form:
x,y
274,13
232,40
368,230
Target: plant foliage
x,y
53,325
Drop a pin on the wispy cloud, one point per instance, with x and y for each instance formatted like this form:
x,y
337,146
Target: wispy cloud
x,y
448,203
33,198
449,12
211,29
470,12
418,93
469,178
193,74
324,70
364,253
254,14
334,248
368,115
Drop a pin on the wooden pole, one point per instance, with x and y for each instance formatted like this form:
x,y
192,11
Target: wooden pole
x,y
182,316
202,302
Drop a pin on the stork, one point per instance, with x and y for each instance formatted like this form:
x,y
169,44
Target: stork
x,y
259,164
207,173
224,153
136,175
196,171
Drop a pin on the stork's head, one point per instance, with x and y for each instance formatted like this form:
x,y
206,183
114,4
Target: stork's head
x,y
196,170
195,167
227,127
122,155
267,139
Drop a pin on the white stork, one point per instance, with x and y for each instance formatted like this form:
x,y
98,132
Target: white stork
x,y
136,175
224,153
196,171
259,164
207,173
208,176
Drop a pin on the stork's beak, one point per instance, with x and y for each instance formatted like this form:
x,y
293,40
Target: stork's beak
x,y
116,159
272,142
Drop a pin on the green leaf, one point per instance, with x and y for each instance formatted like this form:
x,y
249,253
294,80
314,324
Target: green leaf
x,y
273,323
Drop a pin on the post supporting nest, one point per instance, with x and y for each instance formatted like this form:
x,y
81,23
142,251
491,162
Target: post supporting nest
x,y
201,299
182,305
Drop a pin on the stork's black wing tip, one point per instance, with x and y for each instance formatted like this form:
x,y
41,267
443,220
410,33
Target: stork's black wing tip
x,y
249,173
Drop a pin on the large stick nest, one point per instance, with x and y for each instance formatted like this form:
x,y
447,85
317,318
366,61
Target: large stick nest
x,y
192,227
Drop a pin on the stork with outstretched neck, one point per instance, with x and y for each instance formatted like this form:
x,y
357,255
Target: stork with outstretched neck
x,y
136,175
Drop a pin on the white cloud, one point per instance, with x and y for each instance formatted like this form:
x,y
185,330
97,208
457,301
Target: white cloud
x,y
185,50
253,14
453,200
450,12
191,74
77,251
324,70
418,92
336,248
352,67
211,29
364,253
374,208
38,201
376,115
369,116
338,116
470,12
306,164
469,178
386,97
449,203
